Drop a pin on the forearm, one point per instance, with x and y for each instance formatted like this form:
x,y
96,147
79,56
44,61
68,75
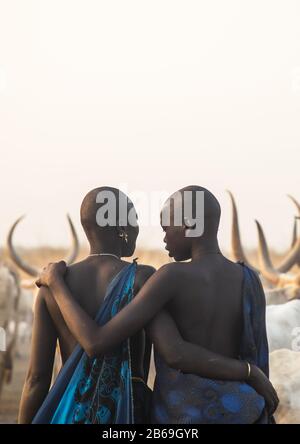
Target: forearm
x,y
189,357
84,329
31,400
198,360
97,340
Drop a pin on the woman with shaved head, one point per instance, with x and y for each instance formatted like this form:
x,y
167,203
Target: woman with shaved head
x,y
218,307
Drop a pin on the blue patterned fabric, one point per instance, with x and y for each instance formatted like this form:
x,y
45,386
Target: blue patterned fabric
x,y
180,398
99,390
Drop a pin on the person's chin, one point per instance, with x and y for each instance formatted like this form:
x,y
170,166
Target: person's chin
x,y
173,255
176,258
169,253
129,252
181,258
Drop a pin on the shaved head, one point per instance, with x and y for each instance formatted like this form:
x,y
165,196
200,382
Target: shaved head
x,y
192,203
104,211
190,219
91,205
212,208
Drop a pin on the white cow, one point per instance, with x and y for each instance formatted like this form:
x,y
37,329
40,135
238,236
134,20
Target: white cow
x,y
284,375
287,286
278,296
25,319
9,301
283,324
25,325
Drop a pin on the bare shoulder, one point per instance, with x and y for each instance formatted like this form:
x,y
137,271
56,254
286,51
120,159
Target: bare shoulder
x,y
173,268
75,267
234,271
77,275
171,273
143,273
168,273
145,270
236,267
74,272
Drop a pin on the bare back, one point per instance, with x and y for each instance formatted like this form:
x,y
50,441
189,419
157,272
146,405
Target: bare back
x,y
88,281
208,306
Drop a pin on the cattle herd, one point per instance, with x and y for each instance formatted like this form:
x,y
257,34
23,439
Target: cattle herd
x,y
282,289
281,283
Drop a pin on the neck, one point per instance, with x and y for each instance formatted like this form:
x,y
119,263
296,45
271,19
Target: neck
x,y
207,247
100,248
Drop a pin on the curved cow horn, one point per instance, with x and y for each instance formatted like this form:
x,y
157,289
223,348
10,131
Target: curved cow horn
x,y
295,231
33,271
291,259
293,256
266,267
237,250
294,236
75,243
295,202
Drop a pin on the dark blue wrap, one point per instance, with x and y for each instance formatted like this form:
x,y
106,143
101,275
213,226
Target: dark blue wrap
x,y
180,398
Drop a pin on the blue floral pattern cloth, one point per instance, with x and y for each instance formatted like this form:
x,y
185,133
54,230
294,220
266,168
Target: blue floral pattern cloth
x,y
98,390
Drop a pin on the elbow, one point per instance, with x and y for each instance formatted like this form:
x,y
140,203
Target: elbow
x,y
94,349
36,380
174,362
172,352
91,352
173,358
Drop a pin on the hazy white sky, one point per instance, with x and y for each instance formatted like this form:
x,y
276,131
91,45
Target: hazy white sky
x,y
154,95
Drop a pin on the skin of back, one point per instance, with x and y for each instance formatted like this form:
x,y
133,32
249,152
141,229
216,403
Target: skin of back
x,y
88,282
208,305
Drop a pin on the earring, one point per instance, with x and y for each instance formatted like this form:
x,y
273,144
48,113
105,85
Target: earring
x,y
124,236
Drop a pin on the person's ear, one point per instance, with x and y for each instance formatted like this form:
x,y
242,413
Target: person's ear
x,y
188,225
122,233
